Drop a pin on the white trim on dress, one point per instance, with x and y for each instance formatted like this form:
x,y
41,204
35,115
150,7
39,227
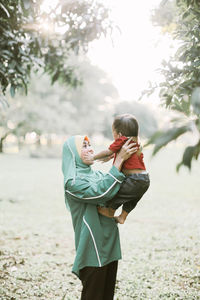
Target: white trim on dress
x,y
95,197
95,246
114,177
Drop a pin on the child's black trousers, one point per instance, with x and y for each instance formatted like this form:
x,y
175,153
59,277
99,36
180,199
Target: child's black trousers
x,y
131,191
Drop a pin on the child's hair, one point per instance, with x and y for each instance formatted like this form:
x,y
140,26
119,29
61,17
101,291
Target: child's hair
x,y
126,124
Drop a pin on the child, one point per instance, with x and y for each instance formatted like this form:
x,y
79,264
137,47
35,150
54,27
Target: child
x,y
137,179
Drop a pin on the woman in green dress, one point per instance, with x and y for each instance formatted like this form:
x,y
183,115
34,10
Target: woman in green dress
x,y
96,236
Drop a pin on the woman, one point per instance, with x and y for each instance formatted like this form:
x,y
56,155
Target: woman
x,y
96,236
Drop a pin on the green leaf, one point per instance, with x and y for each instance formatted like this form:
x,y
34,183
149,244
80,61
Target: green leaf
x,y
55,77
12,90
165,137
26,4
5,10
190,153
20,69
178,166
153,138
195,100
186,14
25,85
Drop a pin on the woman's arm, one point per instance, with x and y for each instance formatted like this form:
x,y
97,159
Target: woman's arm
x,y
105,186
96,191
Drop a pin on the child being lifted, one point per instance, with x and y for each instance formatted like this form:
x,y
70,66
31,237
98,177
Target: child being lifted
x,y
137,180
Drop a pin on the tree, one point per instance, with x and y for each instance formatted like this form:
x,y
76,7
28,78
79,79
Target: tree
x,y
59,109
165,16
180,89
32,38
91,100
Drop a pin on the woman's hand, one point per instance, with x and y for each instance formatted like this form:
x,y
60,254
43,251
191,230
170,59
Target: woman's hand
x,y
125,152
127,149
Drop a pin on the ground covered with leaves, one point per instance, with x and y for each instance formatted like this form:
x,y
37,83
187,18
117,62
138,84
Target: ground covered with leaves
x,y
160,240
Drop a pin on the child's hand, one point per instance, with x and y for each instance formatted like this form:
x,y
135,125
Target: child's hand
x,y
88,158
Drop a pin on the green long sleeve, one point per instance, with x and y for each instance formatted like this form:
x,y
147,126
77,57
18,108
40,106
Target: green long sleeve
x,y
96,192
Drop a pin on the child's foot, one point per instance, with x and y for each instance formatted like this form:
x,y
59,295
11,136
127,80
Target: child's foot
x,y
119,219
122,217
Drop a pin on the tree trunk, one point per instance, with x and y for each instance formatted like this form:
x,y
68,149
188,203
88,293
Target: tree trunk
x,y
2,140
49,140
38,141
1,145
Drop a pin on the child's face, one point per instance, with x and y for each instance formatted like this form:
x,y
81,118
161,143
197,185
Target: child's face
x,y
87,153
115,134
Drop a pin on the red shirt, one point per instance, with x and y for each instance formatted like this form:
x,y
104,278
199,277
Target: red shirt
x,y
135,161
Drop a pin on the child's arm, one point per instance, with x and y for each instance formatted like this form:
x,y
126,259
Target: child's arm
x,y
103,154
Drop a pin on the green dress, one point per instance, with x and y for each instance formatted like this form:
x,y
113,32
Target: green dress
x,y
96,237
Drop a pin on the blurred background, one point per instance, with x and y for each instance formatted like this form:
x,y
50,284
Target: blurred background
x,y
68,67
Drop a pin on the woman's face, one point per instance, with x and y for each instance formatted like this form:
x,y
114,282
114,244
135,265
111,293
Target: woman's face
x,y
87,153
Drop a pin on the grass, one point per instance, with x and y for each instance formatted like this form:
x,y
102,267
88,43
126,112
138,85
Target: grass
x,y
160,240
